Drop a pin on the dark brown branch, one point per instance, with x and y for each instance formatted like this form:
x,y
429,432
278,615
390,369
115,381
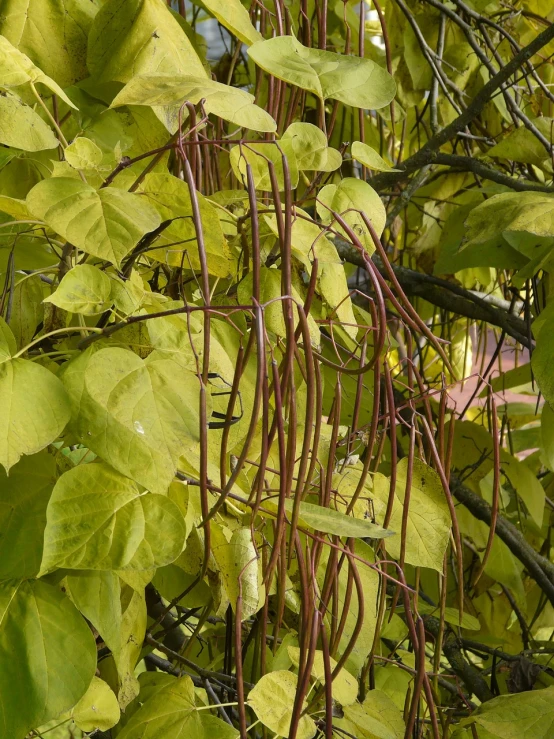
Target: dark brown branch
x,y
452,649
444,294
427,154
539,568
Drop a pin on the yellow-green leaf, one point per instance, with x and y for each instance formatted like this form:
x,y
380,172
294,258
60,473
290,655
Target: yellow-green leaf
x,y
354,81
42,636
234,16
99,520
349,196
35,406
370,158
429,522
22,128
345,687
98,708
84,289
139,416
311,148
272,699
163,91
106,224
130,37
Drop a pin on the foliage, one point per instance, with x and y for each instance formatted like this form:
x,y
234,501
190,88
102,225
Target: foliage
x,y
241,493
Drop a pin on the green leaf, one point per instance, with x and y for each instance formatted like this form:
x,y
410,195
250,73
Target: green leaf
x,y
27,309
377,716
178,243
257,156
118,613
106,224
528,715
35,405
311,148
24,496
168,92
98,520
512,213
345,687
272,699
83,153
139,416
354,81
22,128
234,16
429,522
171,712
53,34
270,288
333,522
348,196
98,708
370,158
84,289
42,636
237,560
130,37
18,69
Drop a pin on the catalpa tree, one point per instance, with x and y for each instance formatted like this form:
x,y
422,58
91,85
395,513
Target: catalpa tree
x,y
276,369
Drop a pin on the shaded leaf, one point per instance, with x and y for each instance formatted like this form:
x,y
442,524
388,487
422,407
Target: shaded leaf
x,y
42,636
429,522
22,128
35,408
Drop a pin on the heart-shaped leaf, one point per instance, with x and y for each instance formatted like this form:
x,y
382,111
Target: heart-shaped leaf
x,y
98,520
42,636
84,289
354,81
35,406
107,223
139,416
348,197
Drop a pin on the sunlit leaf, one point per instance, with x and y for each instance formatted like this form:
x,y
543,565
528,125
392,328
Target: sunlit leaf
x,y
171,91
352,80
345,687
349,199
130,37
84,289
311,148
97,709
234,16
272,699
53,34
98,520
370,158
139,416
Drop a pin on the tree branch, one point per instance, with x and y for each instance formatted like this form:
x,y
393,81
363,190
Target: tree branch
x,y
539,568
428,153
444,294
